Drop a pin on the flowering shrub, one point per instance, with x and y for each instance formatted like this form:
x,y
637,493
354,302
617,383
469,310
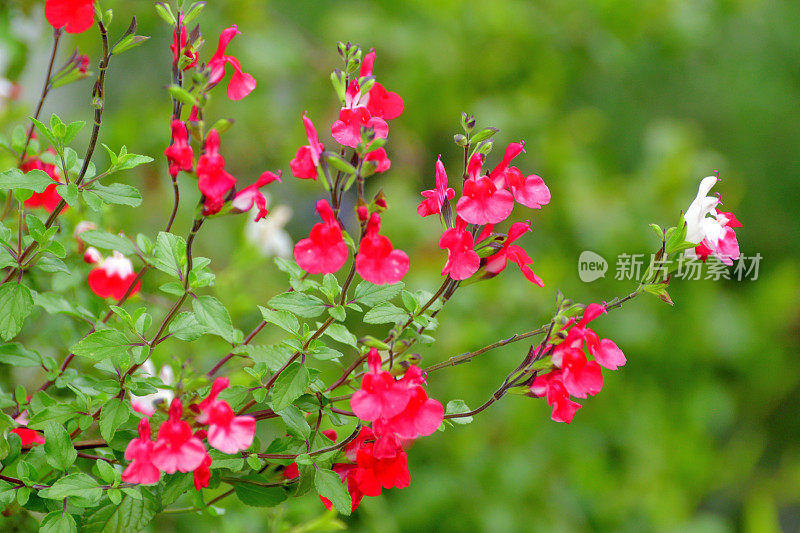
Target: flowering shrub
x,y
206,424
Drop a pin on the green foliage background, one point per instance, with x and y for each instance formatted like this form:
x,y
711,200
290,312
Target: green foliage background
x,y
623,105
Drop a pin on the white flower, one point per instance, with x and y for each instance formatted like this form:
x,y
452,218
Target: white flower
x,y
147,404
709,229
268,234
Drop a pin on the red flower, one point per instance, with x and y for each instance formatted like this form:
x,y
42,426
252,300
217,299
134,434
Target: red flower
x,y
48,198
347,130
380,102
139,452
372,474
28,436
226,432
530,192
497,262
482,202
113,277
212,180
605,351
384,104
512,151
551,385
379,159
420,417
241,83
581,377
380,395
83,63
176,449
462,259
435,198
377,262
202,474
75,16
324,251
179,153
250,195
306,160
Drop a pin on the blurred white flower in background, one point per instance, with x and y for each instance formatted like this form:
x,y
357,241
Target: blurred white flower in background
x,y
147,404
268,235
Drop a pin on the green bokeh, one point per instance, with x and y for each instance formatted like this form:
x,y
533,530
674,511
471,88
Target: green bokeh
x,y
623,105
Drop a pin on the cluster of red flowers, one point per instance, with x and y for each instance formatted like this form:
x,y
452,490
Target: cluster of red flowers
x,y
573,374
178,449
487,199
216,185
324,251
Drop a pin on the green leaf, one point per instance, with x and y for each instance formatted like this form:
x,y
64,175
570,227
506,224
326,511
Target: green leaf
x,y
370,294
58,522
118,193
132,514
258,495
16,303
329,484
103,344
385,313
58,449
170,254
211,314
74,485
458,407
296,423
58,413
301,304
273,355
290,385
16,354
35,180
186,327
72,131
340,333
52,264
108,241
283,319
115,412
7,493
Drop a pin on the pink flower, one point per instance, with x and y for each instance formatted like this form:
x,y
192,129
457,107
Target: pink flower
x,y
551,385
512,151
324,251
179,153
347,130
139,452
202,474
212,180
75,16
250,195
226,432
367,63
379,159
241,83
372,474
113,277
604,351
497,262
28,436
176,449
580,376
92,255
377,262
462,259
305,162
482,202
380,395
435,198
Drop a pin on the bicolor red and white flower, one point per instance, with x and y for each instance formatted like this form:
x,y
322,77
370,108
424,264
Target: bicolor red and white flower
x,y
148,403
710,229
113,276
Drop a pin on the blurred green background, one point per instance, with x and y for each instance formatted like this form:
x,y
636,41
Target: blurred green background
x,y
624,106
